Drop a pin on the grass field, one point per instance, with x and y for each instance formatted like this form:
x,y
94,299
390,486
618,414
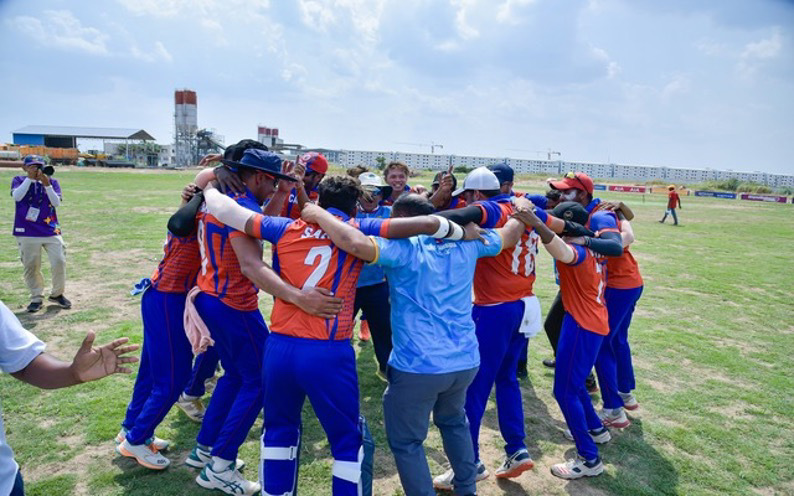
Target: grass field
x,y
713,341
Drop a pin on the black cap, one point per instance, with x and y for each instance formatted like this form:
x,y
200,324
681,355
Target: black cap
x,y
502,171
572,211
437,180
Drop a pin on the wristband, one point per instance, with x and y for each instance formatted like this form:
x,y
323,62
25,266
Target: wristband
x,y
456,232
541,214
443,227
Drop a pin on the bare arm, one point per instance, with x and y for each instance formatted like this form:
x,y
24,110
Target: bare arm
x,y
315,301
626,233
556,247
511,233
89,364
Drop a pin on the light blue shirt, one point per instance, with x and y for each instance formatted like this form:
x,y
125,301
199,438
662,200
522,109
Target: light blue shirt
x,y
430,291
372,274
18,347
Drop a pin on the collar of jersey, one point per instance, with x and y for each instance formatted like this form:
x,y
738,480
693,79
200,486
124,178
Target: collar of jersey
x,y
498,198
338,213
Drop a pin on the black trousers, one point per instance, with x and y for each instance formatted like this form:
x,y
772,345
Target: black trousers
x,y
553,322
373,301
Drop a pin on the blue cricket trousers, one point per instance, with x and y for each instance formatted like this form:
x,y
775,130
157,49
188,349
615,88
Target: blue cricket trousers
x,y
204,367
613,365
165,364
239,340
577,350
325,371
500,349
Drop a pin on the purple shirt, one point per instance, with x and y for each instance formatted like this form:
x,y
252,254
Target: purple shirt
x,y
46,222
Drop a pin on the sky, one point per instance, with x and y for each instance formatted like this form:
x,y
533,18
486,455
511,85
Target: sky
x,y
679,83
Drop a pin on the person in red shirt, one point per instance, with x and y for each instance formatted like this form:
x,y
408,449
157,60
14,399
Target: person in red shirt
x,y
585,324
672,200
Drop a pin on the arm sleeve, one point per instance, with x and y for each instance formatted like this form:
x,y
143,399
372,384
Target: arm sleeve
x,y
270,228
392,252
183,222
374,227
462,216
20,191
55,200
18,346
609,244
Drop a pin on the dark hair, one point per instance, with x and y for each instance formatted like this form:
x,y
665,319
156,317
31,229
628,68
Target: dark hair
x,y
490,193
245,172
340,192
357,170
235,152
411,205
439,176
553,195
397,165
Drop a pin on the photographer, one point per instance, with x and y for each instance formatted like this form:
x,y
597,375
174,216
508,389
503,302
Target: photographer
x,y
36,227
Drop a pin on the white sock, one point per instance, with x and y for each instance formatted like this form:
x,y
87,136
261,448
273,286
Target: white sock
x,y
188,397
219,464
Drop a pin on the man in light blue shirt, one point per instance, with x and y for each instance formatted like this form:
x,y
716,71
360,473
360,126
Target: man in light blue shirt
x,y
435,354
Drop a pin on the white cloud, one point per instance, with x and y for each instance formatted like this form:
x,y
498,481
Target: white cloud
x,y
679,84
757,53
506,14
159,53
316,15
61,29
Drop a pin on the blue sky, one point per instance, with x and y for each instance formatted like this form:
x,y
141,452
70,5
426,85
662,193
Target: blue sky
x,y
683,83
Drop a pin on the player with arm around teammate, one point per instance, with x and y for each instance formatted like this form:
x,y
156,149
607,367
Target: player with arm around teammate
x,y
302,350
435,355
585,325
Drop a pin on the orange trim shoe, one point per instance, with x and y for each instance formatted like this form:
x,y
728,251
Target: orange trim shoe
x,y
515,465
145,454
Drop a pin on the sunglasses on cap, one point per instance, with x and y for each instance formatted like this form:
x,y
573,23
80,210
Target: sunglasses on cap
x,y
572,175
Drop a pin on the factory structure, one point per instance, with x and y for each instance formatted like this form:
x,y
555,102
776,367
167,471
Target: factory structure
x,y
136,148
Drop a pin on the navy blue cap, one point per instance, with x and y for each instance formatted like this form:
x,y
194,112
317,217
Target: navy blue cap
x,y
502,171
262,160
33,160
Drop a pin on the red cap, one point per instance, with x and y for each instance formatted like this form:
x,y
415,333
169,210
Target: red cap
x,y
314,162
574,180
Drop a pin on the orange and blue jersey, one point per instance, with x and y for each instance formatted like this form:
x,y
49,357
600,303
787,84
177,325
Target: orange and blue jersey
x,y
510,275
305,257
291,208
582,283
623,272
177,271
220,274
388,202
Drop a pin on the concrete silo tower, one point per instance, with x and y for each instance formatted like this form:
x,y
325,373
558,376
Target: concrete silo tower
x,y
185,128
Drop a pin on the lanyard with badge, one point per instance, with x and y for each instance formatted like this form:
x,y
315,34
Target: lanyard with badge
x,y
32,214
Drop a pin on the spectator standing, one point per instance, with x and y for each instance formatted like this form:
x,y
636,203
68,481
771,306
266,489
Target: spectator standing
x,y
36,226
672,200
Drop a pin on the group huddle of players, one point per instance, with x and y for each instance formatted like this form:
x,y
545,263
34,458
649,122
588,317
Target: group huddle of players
x,y
200,308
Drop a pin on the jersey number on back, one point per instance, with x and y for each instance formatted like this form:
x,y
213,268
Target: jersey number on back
x,y
324,252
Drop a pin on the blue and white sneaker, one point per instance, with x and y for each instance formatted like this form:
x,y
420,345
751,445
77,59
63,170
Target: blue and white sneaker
x,y
577,468
200,457
229,481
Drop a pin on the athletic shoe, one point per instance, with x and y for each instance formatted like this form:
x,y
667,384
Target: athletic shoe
x,y
599,436
160,444
550,362
61,301
629,401
515,465
34,307
192,406
199,458
146,455
615,417
363,331
229,481
577,468
443,482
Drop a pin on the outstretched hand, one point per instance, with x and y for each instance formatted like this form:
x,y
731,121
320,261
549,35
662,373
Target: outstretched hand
x,y
92,363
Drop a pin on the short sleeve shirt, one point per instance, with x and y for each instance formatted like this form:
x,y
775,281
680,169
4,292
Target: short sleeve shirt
x,y
430,287
18,347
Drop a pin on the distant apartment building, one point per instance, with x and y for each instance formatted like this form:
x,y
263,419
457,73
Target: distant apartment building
x,y
430,161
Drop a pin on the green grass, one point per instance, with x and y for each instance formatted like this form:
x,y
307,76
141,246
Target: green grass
x,y
712,337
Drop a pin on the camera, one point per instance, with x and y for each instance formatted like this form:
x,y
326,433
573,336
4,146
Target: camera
x,y
47,169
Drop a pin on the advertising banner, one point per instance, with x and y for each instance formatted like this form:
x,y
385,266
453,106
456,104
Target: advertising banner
x,y
716,194
628,189
764,198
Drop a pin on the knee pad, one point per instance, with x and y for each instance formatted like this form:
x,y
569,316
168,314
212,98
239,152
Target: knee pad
x,y
284,448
